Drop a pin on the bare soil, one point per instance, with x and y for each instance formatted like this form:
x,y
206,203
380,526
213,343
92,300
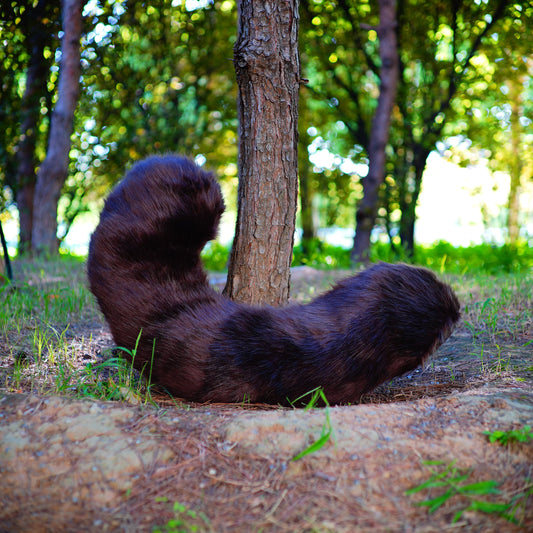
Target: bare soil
x,y
78,465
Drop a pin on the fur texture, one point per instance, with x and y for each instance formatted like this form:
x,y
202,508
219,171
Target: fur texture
x,y
144,268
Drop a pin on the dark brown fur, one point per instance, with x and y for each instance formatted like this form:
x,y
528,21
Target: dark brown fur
x,y
144,268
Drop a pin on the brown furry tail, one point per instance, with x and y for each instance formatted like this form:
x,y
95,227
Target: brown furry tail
x,y
144,268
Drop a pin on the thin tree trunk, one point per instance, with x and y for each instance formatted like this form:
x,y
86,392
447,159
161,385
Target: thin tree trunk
x,y
306,193
516,162
54,169
409,199
7,262
268,75
379,135
36,80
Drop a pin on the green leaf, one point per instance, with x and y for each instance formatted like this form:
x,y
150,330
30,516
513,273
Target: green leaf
x,y
458,479
435,503
435,462
315,446
489,507
482,487
430,483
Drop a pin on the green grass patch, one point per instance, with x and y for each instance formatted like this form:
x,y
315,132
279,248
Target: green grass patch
x,y
47,320
185,520
485,258
524,434
452,482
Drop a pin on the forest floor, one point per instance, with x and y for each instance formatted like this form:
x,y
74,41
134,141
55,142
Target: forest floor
x,y
80,451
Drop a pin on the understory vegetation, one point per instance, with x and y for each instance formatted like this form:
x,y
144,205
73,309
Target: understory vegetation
x,y
442,257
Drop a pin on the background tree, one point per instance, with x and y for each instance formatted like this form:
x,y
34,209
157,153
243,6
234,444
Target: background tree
x,y
379,132
268,75
431,77
29,33
307,218
54,169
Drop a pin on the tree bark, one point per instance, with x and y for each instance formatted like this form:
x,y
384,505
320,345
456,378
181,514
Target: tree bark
x,y
36,80
379,135
306,192
54,169
267,67
516,166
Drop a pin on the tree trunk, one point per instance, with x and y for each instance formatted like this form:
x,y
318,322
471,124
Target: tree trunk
x,y
54,169
379,135
306,192
36,81
409,198
7,262
513,204
268,75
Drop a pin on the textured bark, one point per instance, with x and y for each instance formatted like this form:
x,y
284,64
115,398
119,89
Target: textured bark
x,y
36,79
379,135
268,75
54,169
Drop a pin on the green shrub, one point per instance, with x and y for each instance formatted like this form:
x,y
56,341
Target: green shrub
x,y
320,254
441,256
478,258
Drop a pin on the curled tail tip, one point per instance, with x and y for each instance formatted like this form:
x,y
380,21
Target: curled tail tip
x,y
165,207
168,187
174,175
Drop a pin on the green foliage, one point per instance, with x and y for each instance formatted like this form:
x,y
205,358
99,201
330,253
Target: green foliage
x,y
215,256
158,80
448,55
317,396
453,481
479,258
524,434
442,257
181,523
319,254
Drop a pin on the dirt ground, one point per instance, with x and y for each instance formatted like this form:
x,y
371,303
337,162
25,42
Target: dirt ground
x,y
84,465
